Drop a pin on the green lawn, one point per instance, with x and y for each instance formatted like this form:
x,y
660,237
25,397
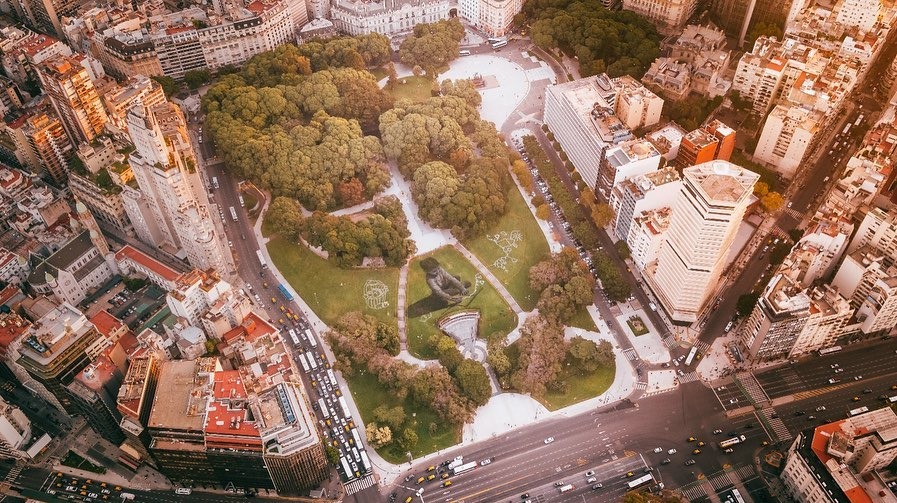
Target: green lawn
x,y
531,247
637,326
496,318
370,394
330,290
412,88
581,387
582,320
379,73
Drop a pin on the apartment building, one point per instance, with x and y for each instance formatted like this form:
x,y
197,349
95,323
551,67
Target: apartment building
x,y
134,402
196,292
837,461
668,15
646,235
706,215
626,160
493,17
787,134
73,95
46,146
139,88
861,14
636,105
581,116
635,195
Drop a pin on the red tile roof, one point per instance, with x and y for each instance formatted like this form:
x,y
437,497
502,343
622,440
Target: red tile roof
x,y
148,262
106,323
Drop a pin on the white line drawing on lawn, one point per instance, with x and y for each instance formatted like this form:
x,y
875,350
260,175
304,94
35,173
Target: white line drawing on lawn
x,y
375,292
508,242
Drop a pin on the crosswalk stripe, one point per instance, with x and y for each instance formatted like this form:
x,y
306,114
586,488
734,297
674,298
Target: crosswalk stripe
x,y
641,385
359,484
689,377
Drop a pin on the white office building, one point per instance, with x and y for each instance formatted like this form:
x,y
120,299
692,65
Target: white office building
x,y
705,219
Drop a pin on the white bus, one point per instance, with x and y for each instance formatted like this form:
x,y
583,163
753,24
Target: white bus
x,y
304,362
323,407
311,338
828,351
465,467
365,462
644,479
345,407
233,213
331,377
311,360
691,355
261,257
357,437
856,412
294,337
346,468
498,45
242,203
725,444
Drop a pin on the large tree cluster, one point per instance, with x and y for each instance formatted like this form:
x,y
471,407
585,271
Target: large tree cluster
x,y
381,233
469,375
565,285
616,42
432,46
357,344
295,126
456,162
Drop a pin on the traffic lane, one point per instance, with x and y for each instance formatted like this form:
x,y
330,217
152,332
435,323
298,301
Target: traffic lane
x,y
731,397
837,402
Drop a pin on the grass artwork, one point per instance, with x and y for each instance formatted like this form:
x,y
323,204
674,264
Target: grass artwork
x,y
423,311
637,326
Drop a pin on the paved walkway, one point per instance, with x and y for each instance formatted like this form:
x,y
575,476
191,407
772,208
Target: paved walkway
x,y
400,307
499,287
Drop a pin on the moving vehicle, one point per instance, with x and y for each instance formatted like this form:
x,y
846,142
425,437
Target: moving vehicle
x,y
498,45
549,440
463,52
732,441
465,467
644,479
183,490
233,213
568,487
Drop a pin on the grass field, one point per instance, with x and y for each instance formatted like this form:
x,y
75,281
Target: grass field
x,y
495,315
582,320
524,253
330,290
412,88
581,387
379,73
637,326
370,394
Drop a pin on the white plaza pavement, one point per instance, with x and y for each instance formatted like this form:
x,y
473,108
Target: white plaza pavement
x,y
499,101
649,347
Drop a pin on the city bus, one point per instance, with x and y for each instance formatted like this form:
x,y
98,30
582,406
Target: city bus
x,y
293,336
261,259
858,411
311,361
345,407
304,362
357,437
828,351
286,293
691,355
498,45
725,444
323,406
233,213
644,479
311,338
332,378
365,462
346,468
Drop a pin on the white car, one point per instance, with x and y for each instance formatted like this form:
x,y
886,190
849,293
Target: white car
x,y
590,473
485,461
549,440
671,451
658,449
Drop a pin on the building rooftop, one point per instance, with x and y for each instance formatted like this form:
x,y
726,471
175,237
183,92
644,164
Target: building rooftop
x,y
182,394
50,335
721,181
132,393
129,252
106,323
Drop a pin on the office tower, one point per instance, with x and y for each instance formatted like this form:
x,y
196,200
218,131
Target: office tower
x,y
705,219
67,82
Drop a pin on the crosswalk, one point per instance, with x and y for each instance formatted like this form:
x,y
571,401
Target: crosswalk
x,y
689,377
359,484
746,472
670,341
14,472
695,491
721,481
779,430
631,355
702,346
752,387
641,385
793,213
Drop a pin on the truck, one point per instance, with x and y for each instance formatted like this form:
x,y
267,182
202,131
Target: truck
x,y
568,487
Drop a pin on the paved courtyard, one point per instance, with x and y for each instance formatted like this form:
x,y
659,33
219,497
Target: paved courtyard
x,y
650,346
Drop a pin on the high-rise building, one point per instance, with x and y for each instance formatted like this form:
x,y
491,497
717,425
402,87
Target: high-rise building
x,y
638,194
135,401
862,14
714,140
47,15
15,431
705,219
494,17
68,84
165,210
55,351
737,17
786,136
626,160
49,144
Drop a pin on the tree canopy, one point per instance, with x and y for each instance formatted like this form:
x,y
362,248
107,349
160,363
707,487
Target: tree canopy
x,y
293,121
616,42
432,46
565,285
